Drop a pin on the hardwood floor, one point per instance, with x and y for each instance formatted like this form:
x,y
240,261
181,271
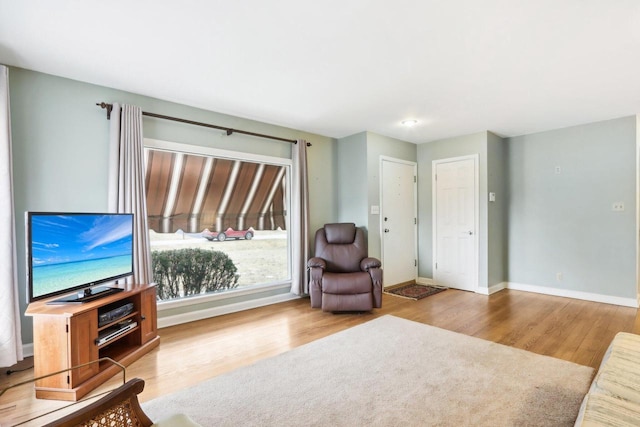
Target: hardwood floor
x,y
573,330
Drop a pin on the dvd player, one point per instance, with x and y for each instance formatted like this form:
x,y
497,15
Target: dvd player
x,y
115,331
114,314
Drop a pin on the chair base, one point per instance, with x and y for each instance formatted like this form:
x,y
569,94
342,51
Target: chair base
x,y
347,302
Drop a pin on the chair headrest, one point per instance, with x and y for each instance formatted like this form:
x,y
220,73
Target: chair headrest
x,y
342,233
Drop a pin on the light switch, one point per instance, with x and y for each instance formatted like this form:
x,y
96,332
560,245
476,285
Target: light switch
x,y
492,197
375,210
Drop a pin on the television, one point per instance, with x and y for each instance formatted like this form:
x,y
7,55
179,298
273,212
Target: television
x,y
68,252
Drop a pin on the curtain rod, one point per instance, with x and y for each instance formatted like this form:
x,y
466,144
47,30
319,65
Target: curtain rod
x,y
229,131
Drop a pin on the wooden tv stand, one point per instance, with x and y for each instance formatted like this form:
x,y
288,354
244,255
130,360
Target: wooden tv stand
x,y
65,335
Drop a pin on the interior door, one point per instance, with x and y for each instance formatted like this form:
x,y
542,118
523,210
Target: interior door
x,y
398,221
455,213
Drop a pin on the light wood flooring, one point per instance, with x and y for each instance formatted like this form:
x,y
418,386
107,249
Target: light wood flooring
x,y
569,329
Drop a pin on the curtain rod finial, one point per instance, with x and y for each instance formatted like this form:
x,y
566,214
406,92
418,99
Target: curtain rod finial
x,y
104,105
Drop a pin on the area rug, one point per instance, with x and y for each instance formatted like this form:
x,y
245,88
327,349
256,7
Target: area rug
x,y
387,372
414,291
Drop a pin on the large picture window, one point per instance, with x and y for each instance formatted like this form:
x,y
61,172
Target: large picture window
x,y
217,219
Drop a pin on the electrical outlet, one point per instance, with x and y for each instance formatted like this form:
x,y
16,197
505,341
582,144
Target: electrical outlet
x,y
559,277
618,206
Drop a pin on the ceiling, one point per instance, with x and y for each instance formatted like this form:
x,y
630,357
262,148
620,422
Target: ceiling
x,y
337,68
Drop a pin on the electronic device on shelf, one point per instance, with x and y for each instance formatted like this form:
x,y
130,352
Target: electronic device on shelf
x,y
71,252
115,331
114,314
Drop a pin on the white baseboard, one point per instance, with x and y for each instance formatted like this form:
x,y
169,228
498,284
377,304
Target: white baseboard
x,y
164,322
492,289
27,349
587,296
178,319
484,291
568,293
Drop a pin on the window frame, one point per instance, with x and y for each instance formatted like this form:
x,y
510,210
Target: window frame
x,y
184,148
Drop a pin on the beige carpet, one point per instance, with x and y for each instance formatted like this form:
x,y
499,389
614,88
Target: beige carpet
x,y
387,372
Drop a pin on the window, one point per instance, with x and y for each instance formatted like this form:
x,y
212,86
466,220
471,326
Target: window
x,y
206,207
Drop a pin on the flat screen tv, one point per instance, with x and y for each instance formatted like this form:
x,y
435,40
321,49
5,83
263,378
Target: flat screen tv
x,y
67,252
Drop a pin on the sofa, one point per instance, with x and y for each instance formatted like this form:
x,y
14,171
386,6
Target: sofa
x,y
614,396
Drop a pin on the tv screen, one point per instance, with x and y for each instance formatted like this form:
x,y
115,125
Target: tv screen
x,y
71,251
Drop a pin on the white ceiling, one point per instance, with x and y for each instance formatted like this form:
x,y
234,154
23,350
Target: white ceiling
x,y
339,67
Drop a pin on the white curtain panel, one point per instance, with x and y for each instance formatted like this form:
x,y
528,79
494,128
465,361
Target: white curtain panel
x,y
300,219
10,334
126,182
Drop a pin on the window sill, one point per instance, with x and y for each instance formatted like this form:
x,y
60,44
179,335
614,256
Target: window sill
x,y
200,299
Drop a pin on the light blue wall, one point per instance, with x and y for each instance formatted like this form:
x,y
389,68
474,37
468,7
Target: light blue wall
x,y
444,149
352,176
543,223
564,223
60,153
497,212
540,224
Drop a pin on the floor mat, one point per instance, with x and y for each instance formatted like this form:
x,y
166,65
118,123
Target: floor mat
x,y
414,291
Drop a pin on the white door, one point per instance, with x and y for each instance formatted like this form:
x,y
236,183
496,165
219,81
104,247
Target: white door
x,y
398,221
455,213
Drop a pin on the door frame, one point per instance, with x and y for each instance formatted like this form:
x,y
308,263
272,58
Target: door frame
x,y
476,214
415,208
637,210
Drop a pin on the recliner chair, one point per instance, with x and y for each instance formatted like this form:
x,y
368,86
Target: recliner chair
x,y
342,276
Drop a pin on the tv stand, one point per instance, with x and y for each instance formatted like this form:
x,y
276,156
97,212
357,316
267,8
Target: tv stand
x,y
87,295
68,335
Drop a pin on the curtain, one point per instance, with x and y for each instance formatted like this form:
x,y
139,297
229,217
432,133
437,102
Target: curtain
x,y
10,334
300,219
126,182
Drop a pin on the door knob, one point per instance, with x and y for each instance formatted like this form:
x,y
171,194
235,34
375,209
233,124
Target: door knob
x,y
386,230
470,233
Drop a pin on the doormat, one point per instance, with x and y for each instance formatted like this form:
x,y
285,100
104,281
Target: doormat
x,y
414,291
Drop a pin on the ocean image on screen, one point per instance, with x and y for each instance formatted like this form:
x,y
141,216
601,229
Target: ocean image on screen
x,y
73,250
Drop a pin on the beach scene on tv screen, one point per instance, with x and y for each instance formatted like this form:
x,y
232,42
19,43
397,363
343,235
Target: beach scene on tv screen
x,y
72,250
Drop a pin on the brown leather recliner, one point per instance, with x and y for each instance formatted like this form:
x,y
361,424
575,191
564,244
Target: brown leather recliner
x,y
342,276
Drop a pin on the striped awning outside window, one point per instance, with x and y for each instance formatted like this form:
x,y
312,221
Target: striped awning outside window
x,y
191,192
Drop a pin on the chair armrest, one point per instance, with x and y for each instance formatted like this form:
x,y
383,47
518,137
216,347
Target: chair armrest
x,y
317,262
368,263
316,271
123,401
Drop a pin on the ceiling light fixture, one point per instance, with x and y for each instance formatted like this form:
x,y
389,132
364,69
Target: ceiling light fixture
x,y
409,123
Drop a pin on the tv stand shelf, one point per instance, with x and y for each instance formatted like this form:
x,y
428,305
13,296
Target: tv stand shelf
x,y
65,335
128,316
